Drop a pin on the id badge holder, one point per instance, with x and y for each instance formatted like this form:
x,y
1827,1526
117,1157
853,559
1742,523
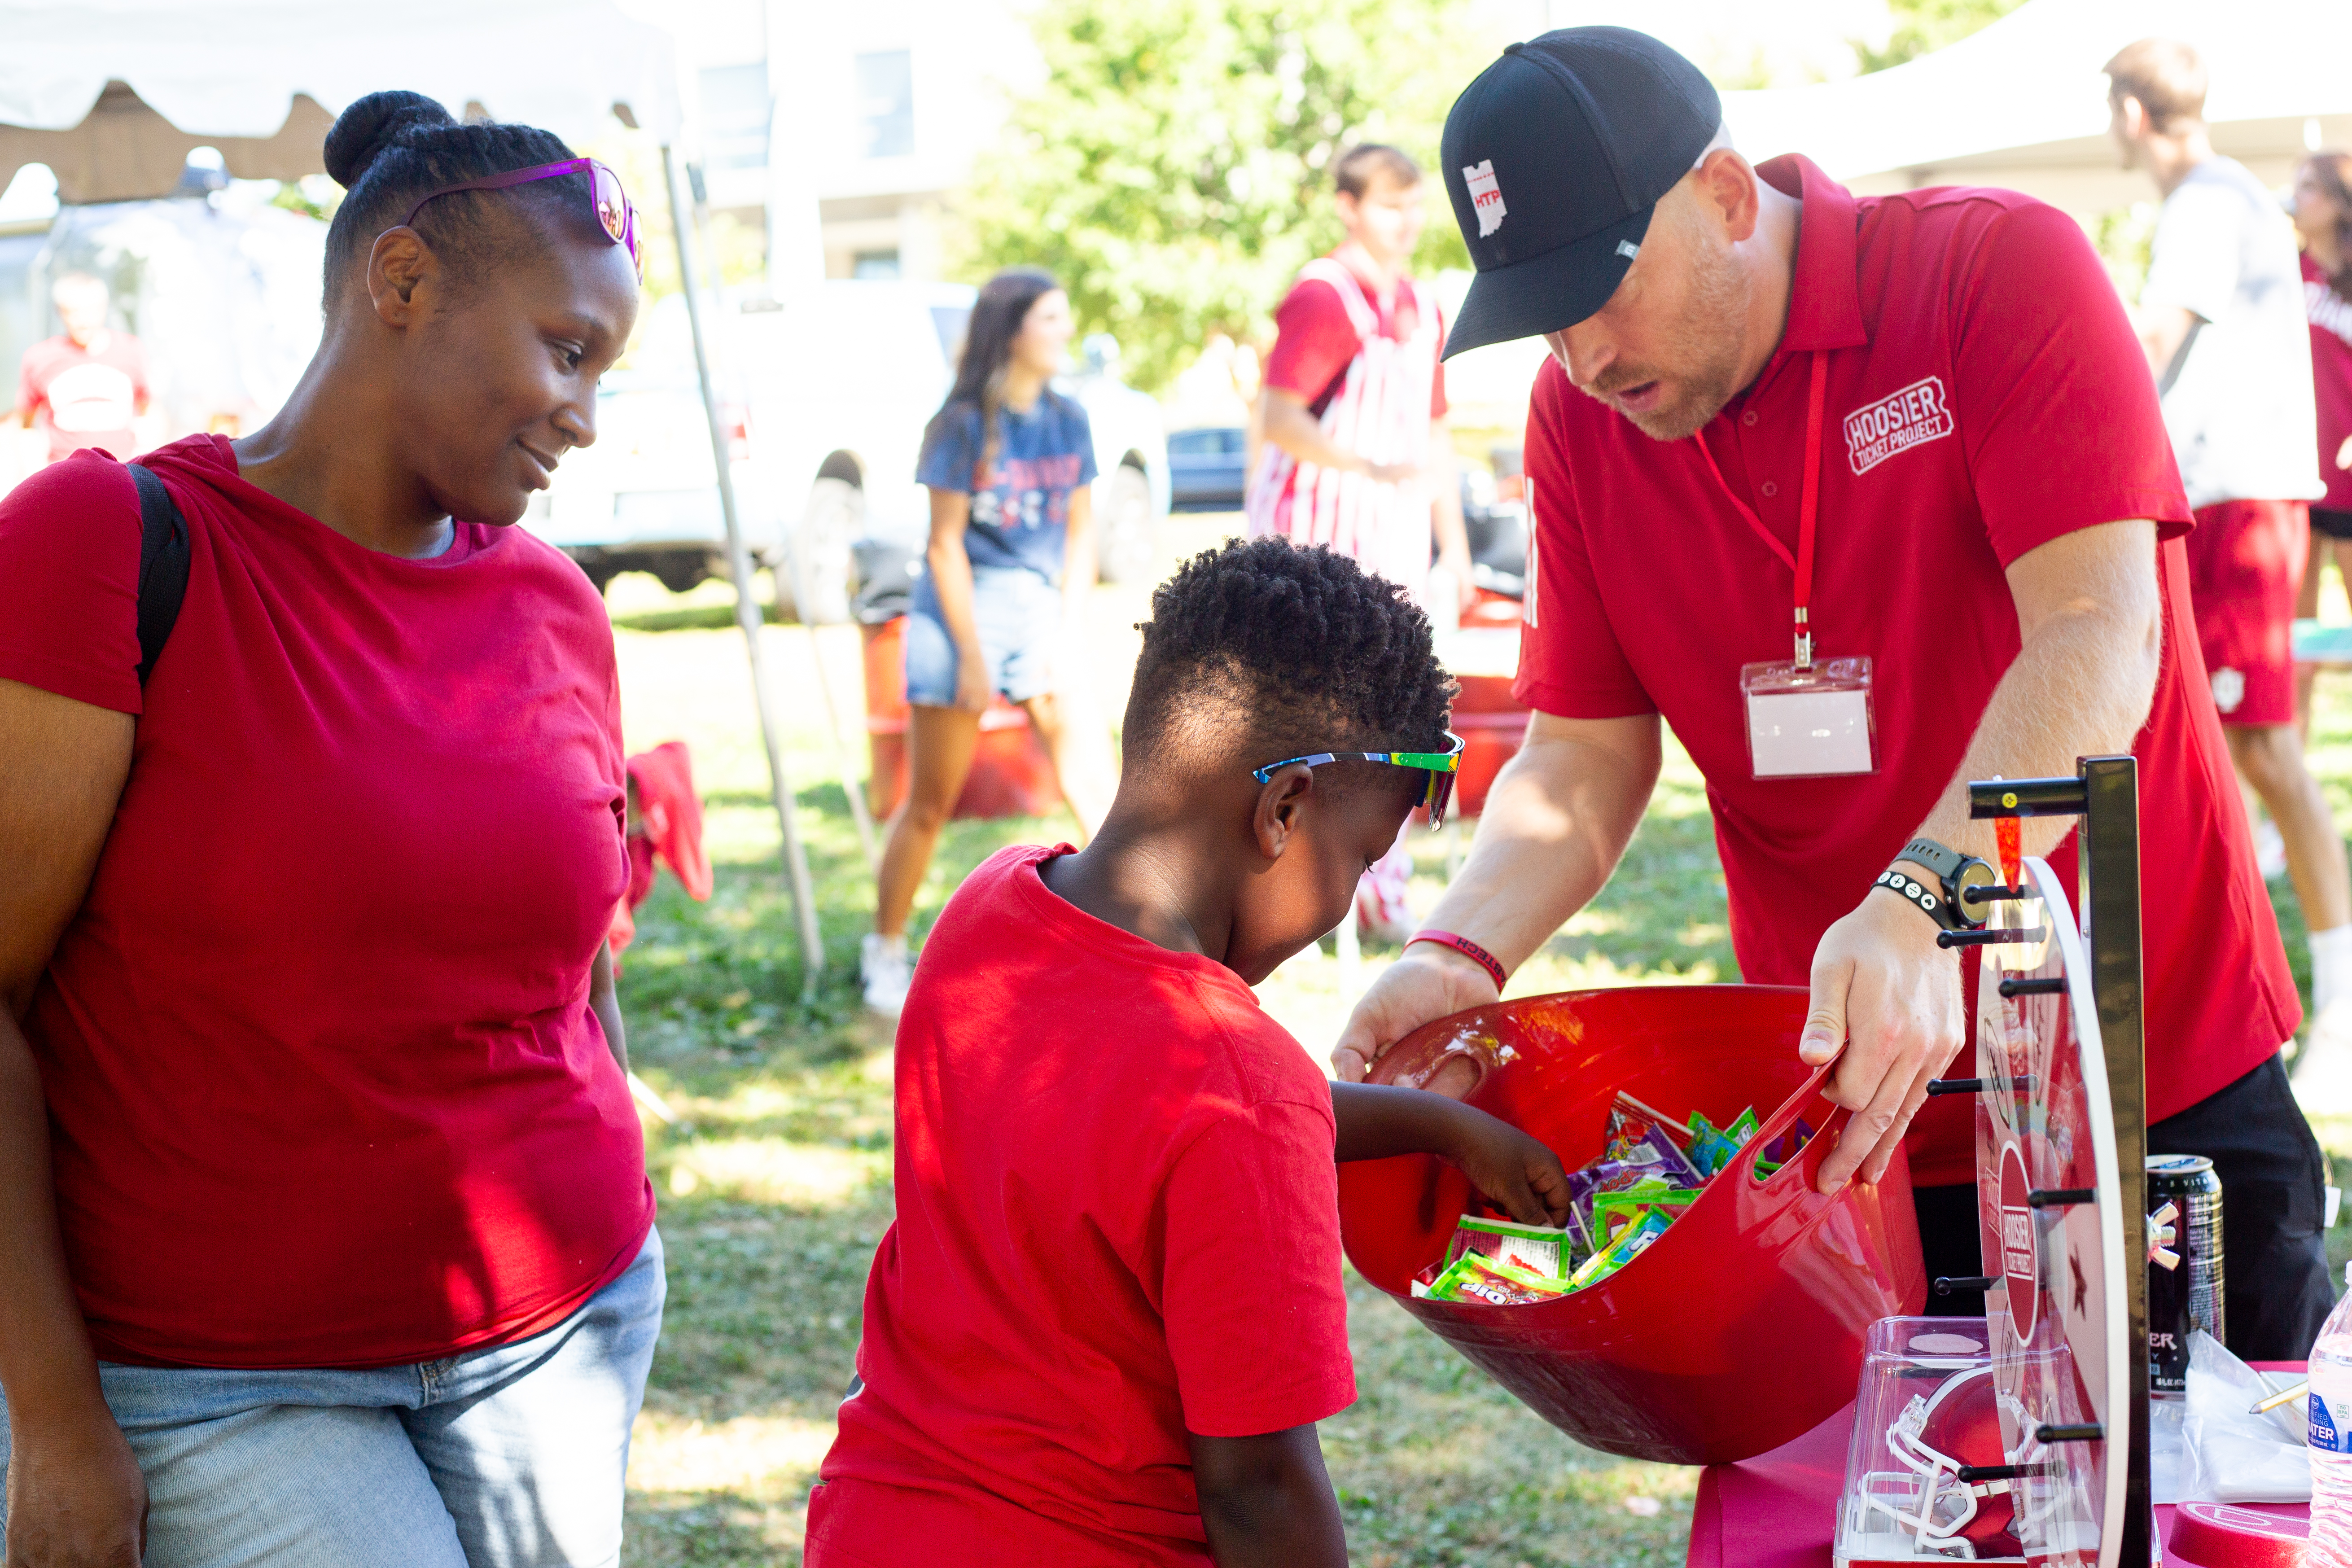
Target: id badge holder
x,y
1813,723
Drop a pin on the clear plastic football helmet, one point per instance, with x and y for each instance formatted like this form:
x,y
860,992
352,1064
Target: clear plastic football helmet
x,y
1934,1438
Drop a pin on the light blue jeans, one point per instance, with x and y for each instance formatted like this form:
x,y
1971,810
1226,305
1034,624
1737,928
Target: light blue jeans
x,y
1018,616
506,1458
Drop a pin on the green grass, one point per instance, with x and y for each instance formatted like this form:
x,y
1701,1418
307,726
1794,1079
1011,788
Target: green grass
x,y
775,1182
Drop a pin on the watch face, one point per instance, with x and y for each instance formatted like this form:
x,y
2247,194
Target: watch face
x,y
1974,874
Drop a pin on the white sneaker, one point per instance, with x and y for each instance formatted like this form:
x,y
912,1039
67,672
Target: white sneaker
x,y
888,971
2323,1068
2270,850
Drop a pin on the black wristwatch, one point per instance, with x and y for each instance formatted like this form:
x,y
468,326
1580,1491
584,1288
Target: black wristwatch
x,y
1944,902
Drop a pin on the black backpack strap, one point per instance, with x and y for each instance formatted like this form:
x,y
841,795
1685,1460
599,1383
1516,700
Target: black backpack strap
x,y
163,566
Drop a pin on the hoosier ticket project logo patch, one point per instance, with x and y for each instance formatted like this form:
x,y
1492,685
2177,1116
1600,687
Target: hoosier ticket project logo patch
x,y
1896,422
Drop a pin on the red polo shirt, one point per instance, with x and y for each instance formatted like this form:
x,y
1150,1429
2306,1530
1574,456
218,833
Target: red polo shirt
x,y
1985,395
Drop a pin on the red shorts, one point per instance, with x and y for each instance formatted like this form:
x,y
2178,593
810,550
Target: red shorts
x,y
2245,565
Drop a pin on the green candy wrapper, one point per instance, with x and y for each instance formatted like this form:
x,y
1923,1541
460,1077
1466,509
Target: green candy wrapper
x,y
1712,1148
1611,1212
1628,1244
1477,1278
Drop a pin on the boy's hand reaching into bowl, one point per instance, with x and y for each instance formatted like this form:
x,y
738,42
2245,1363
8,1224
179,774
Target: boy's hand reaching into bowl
x,y
1510,1168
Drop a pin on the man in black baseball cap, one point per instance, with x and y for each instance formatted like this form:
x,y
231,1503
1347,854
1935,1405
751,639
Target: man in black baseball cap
x,y
1866,497
1556,158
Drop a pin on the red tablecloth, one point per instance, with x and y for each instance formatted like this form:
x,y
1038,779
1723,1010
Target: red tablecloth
x,y
1779,1509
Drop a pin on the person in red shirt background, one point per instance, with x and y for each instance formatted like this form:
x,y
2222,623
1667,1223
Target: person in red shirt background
x,y
84,386
2323,216
1933,403
323,1198
1346,457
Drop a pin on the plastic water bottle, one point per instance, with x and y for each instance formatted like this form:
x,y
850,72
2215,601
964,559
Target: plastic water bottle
x,y
2331,1438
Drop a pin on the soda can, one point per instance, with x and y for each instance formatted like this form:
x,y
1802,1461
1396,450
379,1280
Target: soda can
x,y
2189,1294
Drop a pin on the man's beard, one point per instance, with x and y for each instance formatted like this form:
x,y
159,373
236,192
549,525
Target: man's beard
x,y
1704,349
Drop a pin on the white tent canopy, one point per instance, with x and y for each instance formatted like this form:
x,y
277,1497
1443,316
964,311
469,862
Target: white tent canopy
x,y
2023,104
112,94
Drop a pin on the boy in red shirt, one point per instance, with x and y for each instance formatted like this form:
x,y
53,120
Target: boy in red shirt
x,y
1110,1312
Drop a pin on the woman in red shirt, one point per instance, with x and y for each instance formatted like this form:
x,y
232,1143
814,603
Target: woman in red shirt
x,y
323,1208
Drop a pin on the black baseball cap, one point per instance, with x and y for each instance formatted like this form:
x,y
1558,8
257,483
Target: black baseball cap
x,y
1555,157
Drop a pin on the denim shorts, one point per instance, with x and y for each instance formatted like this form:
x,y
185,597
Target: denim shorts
x,y
512,1456
1019,616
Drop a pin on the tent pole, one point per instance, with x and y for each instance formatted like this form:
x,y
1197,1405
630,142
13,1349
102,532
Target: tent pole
x,y
747,608
851,784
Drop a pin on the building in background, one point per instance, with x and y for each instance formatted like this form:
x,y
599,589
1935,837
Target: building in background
x,y
881,110
843,147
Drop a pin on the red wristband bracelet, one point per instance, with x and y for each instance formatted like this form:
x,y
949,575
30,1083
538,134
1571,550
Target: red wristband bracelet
x,y
1468,949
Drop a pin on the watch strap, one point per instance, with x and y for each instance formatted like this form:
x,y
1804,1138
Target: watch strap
x,y
1926,897
1940,858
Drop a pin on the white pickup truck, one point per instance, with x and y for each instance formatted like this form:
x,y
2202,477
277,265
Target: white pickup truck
x,y
823,398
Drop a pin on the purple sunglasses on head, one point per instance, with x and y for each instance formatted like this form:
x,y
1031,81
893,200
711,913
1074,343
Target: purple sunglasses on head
x,y
615,215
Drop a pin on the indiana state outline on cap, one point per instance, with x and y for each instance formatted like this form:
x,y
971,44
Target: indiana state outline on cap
x,y
1486,197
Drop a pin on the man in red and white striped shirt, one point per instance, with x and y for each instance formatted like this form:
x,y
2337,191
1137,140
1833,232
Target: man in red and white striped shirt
x,y
1354,451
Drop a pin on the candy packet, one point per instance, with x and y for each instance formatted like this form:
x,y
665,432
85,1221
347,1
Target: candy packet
x,y
1474,1276
1628,1244
1618,1206
1712,1148
1540,1249
1612,1212
1635,1151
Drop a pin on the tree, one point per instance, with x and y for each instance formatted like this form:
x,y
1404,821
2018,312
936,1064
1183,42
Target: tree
x,y
1923,26
1173,168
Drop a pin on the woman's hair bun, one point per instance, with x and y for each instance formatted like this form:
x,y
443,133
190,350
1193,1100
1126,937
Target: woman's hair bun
x,y
362,132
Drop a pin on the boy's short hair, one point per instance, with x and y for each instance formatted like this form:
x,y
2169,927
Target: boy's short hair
x,y
2167,77
1260,647
1354,171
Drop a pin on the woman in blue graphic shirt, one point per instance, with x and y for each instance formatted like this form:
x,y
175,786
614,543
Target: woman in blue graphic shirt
x,y
1008,461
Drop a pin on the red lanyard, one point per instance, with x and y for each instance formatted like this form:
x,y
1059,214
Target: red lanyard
x,y
1808,507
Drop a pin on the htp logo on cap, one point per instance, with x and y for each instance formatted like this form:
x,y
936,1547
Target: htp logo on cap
x,y
1485,197
1586,128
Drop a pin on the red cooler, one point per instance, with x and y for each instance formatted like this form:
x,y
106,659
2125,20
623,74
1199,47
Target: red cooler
x,y
1011,773
1742,1326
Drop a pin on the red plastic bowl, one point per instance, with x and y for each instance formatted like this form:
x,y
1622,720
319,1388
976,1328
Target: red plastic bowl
x,y
1739,1329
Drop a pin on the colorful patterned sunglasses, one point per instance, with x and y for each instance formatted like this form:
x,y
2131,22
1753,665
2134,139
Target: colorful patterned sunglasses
x,y
1441,767
615,215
